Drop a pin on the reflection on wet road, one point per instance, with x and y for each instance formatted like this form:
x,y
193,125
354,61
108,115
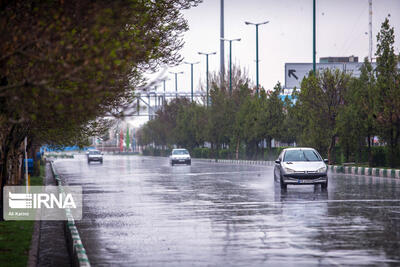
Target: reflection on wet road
x,y
141,211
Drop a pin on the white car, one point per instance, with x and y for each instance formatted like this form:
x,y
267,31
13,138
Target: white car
x,y
299,166
94,155
180,156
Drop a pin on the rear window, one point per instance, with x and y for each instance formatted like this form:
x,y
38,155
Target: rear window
x,y
180,152
301,155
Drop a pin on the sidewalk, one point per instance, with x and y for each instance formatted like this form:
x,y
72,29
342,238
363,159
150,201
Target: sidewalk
x,y
52,245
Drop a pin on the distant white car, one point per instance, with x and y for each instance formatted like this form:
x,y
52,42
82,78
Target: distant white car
x,y
301,165
180,156
94,155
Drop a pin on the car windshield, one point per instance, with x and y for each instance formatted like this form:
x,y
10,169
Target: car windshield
x,y
180,152
301,155
94,152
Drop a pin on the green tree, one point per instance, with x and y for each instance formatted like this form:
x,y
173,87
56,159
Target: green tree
x,y
356,122
292,125
240,97
220,119
190,130
387,106
248,124
273,116
319,102
63,64
222,129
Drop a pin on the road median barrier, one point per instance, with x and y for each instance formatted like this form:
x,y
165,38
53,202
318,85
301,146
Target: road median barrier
x,y
75,246
346,169
239,161
357,170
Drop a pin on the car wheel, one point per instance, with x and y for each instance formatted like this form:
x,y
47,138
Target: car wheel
x,y
101,162
283,185
324,186
172,164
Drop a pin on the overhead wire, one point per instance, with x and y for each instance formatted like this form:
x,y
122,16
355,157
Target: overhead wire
x,y
348,42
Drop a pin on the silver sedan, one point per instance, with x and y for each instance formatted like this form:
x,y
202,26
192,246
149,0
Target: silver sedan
x,y
300,166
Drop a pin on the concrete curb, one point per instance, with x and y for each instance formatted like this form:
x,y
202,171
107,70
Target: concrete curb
x,y
377,172
75,246
34,248
240,161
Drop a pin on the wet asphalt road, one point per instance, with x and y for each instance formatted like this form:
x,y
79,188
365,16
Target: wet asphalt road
x,y
139,211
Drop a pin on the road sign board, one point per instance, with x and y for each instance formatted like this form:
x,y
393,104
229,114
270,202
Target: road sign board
x,y
295,72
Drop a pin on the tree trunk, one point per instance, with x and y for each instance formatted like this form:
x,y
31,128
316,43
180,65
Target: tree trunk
x,y
237,147
347,153
331,150
369,150
11,157
392,149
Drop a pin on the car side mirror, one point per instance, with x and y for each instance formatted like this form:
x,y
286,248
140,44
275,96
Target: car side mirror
x,y
326,161
277,161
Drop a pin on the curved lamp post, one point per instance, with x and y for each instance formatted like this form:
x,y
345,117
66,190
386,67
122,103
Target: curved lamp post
x,y
256,24
191,76
176,81
207,54
230,61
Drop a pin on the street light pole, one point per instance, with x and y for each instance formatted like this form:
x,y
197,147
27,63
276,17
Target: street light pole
x,y
207,54
257,73
191,76
230,61
176,82
166,79
314,45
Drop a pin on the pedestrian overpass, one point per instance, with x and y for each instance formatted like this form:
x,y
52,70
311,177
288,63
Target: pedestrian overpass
x,y
154,100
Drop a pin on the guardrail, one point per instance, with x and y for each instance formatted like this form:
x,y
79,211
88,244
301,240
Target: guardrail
x,y
388,173
378,172
239,161
75,246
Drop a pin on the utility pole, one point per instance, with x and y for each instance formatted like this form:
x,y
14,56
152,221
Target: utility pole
x,y
191,76
166,79
155,97
222,52
257,61
207,54
370,30
176,82
314,46
26,165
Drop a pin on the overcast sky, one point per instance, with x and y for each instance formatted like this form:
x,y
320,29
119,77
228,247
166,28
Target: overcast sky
x,y
342,30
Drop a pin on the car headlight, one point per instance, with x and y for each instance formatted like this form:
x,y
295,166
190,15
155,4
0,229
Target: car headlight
x,y
288,170
321,170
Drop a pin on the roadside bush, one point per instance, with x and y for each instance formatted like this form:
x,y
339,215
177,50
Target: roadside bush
x,y
223,153
380,156
151,151
272,153
201,152
196,152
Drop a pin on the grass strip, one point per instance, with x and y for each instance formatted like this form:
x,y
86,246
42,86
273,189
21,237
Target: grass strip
x,y
15,236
